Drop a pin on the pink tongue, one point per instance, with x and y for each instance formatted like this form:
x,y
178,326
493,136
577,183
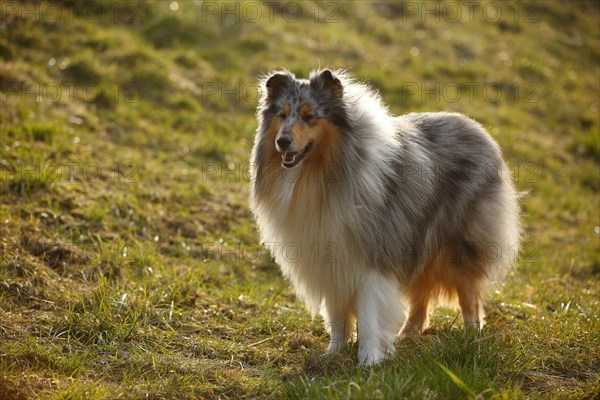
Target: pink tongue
x,y
288,156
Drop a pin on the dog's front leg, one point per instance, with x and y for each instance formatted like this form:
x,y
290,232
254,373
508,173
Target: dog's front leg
x,y
380,315
340,323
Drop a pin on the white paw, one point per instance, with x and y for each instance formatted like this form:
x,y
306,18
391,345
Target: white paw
x,y
476,326
411,330
370,355
335,345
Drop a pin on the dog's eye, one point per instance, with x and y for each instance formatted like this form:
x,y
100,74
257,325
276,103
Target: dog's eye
x,y
307,117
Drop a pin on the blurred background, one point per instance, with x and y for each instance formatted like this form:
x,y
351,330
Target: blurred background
x,y
130,261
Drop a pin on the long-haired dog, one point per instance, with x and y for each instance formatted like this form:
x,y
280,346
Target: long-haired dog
x,y
365,211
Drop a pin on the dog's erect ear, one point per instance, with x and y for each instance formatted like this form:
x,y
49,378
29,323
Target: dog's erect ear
x,y
276,84
331,84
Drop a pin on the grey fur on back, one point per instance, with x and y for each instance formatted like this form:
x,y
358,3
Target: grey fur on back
x,y
464,191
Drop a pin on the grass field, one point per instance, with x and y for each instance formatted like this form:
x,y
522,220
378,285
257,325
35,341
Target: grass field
x,y
130,262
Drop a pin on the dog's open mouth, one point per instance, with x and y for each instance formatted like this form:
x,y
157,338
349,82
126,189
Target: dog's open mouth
x,y
291,159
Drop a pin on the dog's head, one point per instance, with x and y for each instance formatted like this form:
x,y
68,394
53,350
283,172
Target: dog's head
x,y
302,118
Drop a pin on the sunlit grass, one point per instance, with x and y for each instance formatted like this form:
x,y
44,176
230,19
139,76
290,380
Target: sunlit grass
x,y
130,265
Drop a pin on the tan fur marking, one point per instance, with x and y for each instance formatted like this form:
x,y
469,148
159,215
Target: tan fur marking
x,y
442,280
272,170
274,156
326,138
305,109
317,166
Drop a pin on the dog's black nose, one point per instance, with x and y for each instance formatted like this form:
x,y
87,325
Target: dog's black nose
x,y
284,142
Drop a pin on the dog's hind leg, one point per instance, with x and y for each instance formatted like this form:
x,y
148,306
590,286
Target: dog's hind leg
x,y
419,296
465,277
471,305
417,317
380,315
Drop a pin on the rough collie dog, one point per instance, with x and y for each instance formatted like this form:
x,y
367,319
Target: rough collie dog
x,y
365,211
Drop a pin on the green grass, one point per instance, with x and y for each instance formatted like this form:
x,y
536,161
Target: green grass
x,y
130,265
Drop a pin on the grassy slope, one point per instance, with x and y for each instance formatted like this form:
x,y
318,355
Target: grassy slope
x,y
130,264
